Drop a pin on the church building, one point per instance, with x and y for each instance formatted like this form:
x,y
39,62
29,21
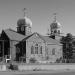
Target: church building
x,y
24,46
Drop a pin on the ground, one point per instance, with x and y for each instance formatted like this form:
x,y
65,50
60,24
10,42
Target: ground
x,y
39,73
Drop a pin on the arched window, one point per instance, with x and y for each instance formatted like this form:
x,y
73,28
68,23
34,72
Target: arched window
x,y
22,28
32,50
53,51
41,50
36,48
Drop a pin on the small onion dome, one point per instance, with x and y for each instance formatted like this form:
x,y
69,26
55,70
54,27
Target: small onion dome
x,y
55,25
24,21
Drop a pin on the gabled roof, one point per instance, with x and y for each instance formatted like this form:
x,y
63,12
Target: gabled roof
x,y
47,39
50,40
13,35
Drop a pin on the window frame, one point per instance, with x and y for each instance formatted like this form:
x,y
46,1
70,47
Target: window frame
x,y
36,48
40,49
22,28
53,51
32,50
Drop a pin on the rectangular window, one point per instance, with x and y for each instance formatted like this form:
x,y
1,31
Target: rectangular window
x,y
32,50
53,51
36,49
41,50
22,28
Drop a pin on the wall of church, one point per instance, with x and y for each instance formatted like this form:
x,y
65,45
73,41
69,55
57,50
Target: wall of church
x,y
31,42
13,49
54,52
50,52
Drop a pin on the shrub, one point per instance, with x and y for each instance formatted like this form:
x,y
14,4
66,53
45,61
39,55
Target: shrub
x,y
13,67
59,60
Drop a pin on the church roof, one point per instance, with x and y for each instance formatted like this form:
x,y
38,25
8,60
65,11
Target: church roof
x,y
50,40
47,39
13,35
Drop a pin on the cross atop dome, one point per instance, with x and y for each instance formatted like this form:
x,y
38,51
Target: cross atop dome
x,y
24,11
55,17
25,21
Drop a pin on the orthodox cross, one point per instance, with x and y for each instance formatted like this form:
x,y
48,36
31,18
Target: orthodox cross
x,y
55,17
24,11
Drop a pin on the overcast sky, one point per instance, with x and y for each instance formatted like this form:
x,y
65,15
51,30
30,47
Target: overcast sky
x,y
40,12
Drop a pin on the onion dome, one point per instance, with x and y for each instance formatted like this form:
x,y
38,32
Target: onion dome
x,y
55,24
24,21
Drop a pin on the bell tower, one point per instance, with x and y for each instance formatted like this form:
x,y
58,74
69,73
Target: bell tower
x,y
55,27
